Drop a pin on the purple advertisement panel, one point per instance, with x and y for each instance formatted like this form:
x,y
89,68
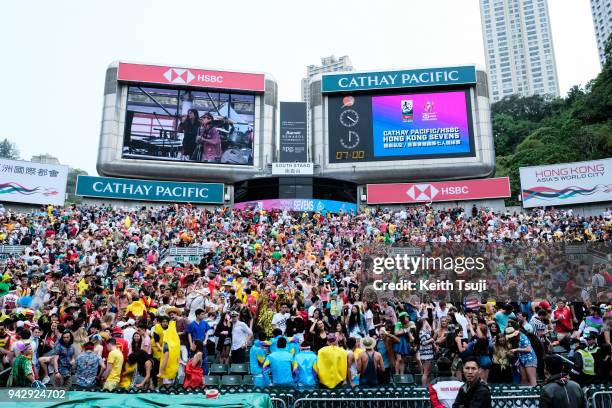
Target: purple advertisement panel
x,y
425,124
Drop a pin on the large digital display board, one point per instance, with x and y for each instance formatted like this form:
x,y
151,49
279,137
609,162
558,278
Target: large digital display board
x,y
189,125
400,126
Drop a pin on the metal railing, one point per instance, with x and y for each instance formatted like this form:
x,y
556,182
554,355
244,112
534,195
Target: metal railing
x,y
178,251
498,401
601,399
278,403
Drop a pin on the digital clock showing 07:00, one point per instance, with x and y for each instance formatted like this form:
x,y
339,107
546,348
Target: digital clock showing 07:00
x,y
355,155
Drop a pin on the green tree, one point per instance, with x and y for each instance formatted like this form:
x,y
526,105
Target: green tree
x,y
8,150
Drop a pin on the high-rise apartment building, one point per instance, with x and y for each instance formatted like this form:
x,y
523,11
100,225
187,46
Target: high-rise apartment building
x,y
602,19
45,159
328,64
518,48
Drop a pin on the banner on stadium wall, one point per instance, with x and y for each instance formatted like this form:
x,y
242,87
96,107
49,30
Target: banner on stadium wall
x,y
32,183
566,183
155,74
458,190
146,190
292,138
299,204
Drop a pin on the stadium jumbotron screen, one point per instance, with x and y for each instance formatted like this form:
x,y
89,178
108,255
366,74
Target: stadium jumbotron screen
x,y
189,125
400,126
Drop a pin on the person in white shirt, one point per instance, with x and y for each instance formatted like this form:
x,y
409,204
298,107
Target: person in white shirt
x,y
279,320
241,334
316,302
129,330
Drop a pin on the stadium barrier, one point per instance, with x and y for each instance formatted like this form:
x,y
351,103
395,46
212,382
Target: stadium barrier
x,y
601,399
498,401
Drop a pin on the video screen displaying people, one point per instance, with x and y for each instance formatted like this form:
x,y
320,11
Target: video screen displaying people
x,y
189,125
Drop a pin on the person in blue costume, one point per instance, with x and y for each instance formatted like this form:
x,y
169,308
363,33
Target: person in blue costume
x,y
281,365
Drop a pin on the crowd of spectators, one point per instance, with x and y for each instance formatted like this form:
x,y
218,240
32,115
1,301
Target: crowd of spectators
x,y
94,302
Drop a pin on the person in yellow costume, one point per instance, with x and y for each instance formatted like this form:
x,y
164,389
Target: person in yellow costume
x,y
137,308
171,351
82,286
127,375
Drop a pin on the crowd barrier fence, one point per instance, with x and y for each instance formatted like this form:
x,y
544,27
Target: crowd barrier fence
x,y
601,399
498,401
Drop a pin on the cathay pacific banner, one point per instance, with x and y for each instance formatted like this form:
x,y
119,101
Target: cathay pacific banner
x,y
146,190
348,82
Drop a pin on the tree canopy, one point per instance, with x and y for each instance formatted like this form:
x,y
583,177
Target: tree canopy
x,y
539,130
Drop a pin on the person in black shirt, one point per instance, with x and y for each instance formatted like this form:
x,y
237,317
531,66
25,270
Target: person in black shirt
x,y
474,393
189,126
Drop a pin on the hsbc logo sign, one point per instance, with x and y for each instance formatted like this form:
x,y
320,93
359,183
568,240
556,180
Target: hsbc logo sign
x,y
179,76
428,192
184,76
422,192
438,191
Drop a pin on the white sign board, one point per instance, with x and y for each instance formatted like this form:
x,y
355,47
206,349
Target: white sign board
x,y
566,183
292,169
32,183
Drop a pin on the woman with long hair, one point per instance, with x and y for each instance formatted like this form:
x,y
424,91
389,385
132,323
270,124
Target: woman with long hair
x,y
136,343
501,370
180,300
64,358
441,334
189,127
194,371
355,323
146,368
223,332
425,342
341,335
318,334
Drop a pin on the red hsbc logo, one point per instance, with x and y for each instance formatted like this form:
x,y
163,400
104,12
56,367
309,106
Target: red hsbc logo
x,y
179,76
399,193
155,74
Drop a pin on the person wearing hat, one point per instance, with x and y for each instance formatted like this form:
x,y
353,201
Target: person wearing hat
x,y
128,330
88,366
122,344
22,372
208,141
332,363
520,345
583,371
558,390
444,388
370,364
241,334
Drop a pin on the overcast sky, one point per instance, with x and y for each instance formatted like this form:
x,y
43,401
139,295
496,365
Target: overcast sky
x,y
54,53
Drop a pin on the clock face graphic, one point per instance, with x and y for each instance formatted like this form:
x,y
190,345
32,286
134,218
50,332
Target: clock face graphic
x,y
349,118
350,141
